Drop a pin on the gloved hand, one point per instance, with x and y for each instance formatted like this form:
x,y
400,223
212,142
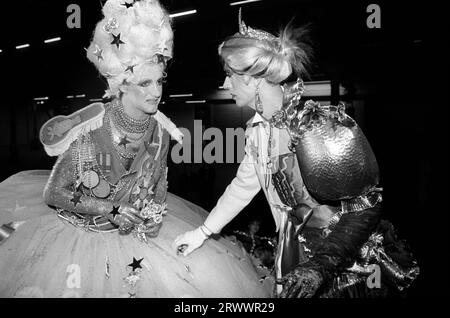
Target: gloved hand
x,y
301,283
189,241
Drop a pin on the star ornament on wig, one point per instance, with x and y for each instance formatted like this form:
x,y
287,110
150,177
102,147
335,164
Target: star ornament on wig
x,y
110,200
121,49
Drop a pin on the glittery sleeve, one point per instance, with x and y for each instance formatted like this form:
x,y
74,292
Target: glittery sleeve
x,y
60,192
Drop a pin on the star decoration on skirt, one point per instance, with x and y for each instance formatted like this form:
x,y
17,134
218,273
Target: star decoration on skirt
x,y
98,53
136,264
117,41
263,278
76,198
16,208
114,212
124,141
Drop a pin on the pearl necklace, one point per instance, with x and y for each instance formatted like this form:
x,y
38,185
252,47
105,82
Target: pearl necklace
x,y
125,122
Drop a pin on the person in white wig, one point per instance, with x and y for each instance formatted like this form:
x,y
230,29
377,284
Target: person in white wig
x,y
116,219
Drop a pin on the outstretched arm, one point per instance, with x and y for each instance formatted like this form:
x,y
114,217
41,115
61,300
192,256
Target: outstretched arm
x,y
60,192
236,196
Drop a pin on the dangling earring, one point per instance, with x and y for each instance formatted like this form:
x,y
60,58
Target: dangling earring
x,y
258,103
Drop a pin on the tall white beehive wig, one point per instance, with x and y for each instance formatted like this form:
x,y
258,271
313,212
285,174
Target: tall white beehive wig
x,y
131,34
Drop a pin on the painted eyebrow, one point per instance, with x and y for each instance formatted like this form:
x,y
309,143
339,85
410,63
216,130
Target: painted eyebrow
x,y
149,79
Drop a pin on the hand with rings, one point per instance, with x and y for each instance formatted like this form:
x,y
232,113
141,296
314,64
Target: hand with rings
x,y
301,283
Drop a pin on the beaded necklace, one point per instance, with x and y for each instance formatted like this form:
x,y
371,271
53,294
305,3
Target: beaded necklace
x,y
121,149
85,161
125,122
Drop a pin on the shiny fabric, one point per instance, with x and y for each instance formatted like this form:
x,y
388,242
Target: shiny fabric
x,y
47,257
336,160
138,183
290,188
255,173
337,165
383,252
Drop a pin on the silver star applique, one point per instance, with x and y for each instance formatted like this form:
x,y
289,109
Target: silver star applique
x,y
16,208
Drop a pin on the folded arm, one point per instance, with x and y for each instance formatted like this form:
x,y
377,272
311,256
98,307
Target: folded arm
x,y
60,192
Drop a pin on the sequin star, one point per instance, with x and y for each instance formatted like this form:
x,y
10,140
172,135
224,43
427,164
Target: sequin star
x,y
136,264
98,53
76,198
114,212
108,93
117,41
130,68
16,208
124,141
128,5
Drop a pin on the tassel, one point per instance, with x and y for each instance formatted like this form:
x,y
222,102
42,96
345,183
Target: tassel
x,y
169,126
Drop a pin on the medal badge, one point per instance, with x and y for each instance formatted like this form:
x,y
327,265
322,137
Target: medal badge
x,y
102,190
90,179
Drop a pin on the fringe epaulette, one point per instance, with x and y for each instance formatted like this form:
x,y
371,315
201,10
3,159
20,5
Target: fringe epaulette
x,y
59,132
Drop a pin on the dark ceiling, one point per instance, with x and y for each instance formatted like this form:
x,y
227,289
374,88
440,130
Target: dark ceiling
x,y
346,49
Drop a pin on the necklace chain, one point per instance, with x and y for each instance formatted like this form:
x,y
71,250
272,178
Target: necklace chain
x,y
84,159
127,123
124,153
268,176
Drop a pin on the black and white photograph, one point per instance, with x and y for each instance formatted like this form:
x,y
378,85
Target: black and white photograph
x,y
251,152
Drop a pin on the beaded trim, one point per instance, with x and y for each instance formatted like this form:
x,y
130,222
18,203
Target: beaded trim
x,y
362,202
125,122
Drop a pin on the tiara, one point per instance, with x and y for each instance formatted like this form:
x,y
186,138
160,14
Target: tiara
x,y
251,33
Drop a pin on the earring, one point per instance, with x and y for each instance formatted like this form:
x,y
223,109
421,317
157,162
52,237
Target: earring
x,y
258,103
